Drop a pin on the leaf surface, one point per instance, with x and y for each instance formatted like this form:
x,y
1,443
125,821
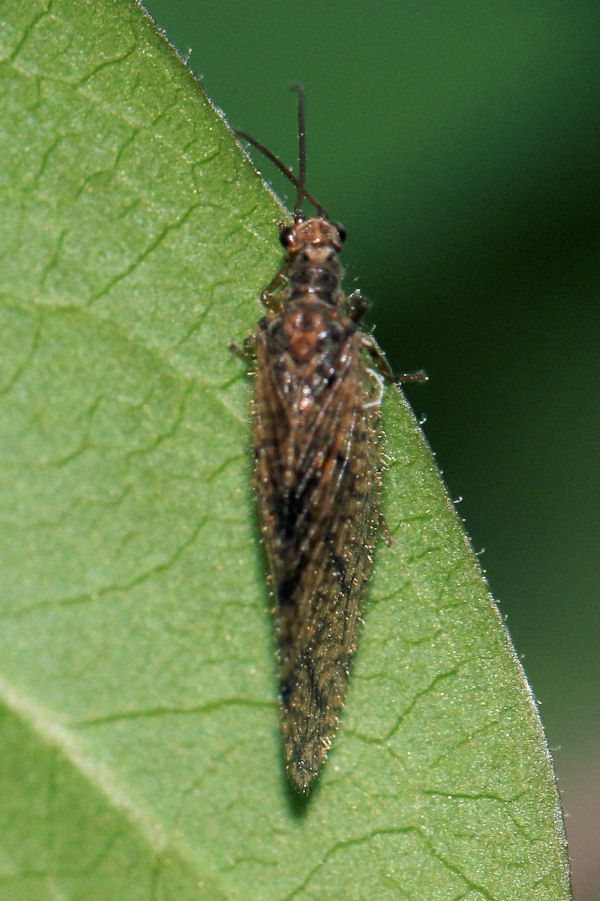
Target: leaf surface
x,y
141,753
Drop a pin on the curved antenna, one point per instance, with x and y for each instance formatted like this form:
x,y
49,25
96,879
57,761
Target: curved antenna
x,y
301,192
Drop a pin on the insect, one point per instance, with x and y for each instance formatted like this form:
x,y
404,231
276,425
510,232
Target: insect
x,y
317,446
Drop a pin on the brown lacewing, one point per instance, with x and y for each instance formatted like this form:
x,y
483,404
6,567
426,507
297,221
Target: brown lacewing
x,y
317,448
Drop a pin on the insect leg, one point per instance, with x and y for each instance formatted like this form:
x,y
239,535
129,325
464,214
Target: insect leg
x,y
404,378
356,306
271,297
247,351
381,364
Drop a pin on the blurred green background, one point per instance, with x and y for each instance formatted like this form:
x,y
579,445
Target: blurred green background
x,y
459,143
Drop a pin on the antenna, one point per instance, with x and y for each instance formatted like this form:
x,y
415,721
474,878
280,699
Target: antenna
x,y
299,182
301,152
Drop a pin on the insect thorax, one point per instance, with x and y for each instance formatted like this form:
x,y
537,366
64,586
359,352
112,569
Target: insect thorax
x,y
315,272
308,333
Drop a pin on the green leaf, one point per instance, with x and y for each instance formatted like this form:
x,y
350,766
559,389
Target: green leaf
x,y
141,753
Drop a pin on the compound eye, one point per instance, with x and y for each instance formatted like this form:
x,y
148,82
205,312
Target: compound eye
x,y
341,231
286,236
